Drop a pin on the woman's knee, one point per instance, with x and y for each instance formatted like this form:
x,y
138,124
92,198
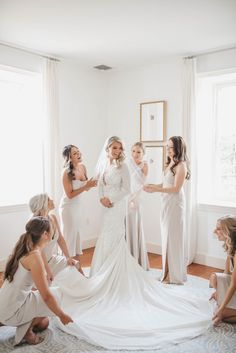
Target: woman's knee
x,y
41,324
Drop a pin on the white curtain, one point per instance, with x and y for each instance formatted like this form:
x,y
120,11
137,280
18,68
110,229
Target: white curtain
x,y
51,145
189,134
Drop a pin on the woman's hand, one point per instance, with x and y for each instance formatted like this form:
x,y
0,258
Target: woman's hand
x,y
65,319
71,261
91,183
106,202
151,188
49,276
213,296
217,317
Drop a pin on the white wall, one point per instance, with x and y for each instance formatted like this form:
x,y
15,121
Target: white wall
x,y
82,122
126,90
82,96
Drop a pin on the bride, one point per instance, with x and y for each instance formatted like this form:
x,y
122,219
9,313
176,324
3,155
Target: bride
x,y
121,306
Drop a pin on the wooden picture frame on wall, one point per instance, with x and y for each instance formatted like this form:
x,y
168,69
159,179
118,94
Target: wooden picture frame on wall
x,y
153,121
156,159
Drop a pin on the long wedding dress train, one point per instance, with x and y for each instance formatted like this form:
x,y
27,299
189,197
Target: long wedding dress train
x,y
121,306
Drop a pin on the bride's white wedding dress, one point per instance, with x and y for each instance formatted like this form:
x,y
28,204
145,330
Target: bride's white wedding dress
x,y
122,306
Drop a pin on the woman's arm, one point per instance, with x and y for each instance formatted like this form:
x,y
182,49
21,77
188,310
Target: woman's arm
x,y
35,265
47,268
145,169
227,266
180,175
61,241
228,296
67,186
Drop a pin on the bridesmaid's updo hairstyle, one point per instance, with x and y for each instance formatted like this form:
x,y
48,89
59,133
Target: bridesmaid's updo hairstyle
x,y
180,154
228,225
35,227
66,153
140,145
110,141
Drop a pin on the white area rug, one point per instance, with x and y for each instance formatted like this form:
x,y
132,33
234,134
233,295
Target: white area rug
x,y
215,340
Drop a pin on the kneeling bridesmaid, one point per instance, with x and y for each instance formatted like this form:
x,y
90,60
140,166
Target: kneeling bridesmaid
x,y
20,305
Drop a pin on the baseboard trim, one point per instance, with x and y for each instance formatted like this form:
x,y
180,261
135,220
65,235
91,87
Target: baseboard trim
x,y
89,243
211,261
154,248
201,259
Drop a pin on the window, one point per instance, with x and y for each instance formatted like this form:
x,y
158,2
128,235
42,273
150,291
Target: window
x,y
216,136
22,132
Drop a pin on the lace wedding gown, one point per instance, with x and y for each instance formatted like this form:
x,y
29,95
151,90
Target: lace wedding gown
x,y
122,306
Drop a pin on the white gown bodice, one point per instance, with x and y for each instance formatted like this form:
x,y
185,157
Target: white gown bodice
x,y
76,184
115,183
13,294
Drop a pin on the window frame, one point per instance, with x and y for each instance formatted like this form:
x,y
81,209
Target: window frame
x,y
22,207
216,205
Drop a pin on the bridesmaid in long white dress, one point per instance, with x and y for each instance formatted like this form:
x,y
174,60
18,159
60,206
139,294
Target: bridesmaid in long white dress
x,y
174,267
20,306
134,225
75,182
225,283
42,205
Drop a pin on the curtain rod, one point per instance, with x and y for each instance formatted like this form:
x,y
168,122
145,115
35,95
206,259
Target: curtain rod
x,y
29,51
209,52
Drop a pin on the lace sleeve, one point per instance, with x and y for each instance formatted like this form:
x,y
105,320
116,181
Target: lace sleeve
x,y
125,185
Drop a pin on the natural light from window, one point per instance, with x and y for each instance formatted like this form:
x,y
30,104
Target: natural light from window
x,y
22,130
216,137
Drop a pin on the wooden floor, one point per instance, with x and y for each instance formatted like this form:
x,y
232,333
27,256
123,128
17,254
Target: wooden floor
x,y
155,262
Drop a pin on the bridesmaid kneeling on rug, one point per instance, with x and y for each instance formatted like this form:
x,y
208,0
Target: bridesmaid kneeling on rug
x,y
20,306
225,283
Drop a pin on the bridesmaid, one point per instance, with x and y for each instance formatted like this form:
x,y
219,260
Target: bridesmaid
x,y
42,205
134,225
225,283
173,211
20,305
75,182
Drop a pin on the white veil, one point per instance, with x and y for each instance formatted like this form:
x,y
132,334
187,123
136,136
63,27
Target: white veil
x,y
103,160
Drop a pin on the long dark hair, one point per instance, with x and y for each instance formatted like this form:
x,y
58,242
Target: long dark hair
x,y
35,227
66,153
180,154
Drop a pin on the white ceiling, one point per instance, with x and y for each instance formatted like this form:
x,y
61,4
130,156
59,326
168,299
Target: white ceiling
x,y
118,33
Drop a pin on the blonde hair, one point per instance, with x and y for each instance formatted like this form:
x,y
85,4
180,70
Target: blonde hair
x,y
140,145
110,141
228,225
39,204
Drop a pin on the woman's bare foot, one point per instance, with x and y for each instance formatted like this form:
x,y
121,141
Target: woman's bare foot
x,y
32,338
166,279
